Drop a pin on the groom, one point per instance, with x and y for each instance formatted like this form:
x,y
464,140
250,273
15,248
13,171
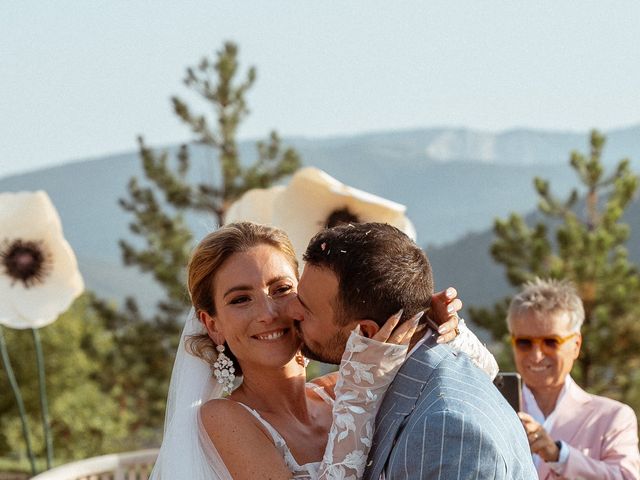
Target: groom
x,y
441,418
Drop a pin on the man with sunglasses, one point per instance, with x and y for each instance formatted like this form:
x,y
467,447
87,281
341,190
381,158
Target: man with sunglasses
x,y
572,434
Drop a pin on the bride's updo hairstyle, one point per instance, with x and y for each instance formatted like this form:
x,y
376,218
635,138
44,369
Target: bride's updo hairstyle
x,y
207,258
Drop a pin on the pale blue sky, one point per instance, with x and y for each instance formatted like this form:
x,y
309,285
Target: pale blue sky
x,y
83,78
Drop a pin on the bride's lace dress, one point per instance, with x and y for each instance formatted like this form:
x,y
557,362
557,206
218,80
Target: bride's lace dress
x,y
367,369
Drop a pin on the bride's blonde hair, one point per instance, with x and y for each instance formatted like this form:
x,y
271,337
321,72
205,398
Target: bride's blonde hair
x,y
207,258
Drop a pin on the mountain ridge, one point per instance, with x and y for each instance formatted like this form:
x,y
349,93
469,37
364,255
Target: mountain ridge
x,y
447,200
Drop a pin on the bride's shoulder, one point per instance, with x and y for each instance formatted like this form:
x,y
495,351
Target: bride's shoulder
x,y
244,445
221,405
220,415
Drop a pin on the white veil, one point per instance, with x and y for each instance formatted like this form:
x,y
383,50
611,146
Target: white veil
x,y
186,450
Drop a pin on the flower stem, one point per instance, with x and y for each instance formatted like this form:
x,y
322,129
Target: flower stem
x,y
44,407
16,393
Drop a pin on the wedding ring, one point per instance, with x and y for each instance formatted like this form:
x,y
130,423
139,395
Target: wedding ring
x,y
535,435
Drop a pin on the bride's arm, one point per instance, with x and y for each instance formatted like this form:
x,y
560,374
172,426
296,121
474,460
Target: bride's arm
x,y
444,308
468,343
368,367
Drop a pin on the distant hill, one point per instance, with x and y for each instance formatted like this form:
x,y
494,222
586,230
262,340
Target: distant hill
x,y
453,181
467,263
511,147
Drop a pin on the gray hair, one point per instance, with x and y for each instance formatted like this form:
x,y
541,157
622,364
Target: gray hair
x,y
547,296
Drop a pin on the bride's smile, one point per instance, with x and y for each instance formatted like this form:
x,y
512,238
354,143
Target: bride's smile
x,y
274,335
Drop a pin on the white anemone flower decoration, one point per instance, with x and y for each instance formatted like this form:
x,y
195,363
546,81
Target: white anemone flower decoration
x,y
39,276
39,279
314,200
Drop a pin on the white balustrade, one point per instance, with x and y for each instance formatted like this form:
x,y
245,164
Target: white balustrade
x,y
118,466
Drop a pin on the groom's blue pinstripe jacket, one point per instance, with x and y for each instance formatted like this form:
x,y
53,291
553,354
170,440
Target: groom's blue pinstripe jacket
x,y
442,418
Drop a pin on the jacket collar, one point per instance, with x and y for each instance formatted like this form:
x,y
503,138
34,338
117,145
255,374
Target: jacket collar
x,y
400,400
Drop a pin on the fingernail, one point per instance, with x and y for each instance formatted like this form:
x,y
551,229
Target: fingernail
x,y
440,340
449,292
442,329
417,317
450,309
398,314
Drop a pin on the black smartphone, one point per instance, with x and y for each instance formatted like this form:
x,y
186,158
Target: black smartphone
x,y
510,386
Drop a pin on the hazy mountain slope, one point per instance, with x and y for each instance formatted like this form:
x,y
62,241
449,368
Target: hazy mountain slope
x,y
511,147
448,193
467,263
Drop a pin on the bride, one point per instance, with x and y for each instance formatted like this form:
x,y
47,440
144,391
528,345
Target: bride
x,y
274,424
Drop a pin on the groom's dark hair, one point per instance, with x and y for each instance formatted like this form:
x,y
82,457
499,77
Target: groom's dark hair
x,y
379,270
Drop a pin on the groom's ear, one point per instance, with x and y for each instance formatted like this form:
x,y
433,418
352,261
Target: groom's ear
x,y
368,328
209,323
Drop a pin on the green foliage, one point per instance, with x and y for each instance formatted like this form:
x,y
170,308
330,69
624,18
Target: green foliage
x,y
137,369
145,344
493,320
86,417
583,240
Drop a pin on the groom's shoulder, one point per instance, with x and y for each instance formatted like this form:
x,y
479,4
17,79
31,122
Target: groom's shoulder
x,y
455,399
456,386
439,361
451,378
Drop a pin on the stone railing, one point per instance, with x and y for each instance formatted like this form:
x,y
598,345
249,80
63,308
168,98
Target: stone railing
x,y
118,466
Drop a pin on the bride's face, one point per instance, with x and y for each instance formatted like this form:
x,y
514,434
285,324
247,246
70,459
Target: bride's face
x,y
251,292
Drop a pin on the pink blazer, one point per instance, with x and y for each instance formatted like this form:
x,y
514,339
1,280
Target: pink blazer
x,y
602,435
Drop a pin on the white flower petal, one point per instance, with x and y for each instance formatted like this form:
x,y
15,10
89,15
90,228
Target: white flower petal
x,y
27,215
32,217
7,311
256,206
312,195
302,208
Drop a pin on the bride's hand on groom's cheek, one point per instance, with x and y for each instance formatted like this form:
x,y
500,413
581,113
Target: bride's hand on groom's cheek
x,y
401,334
444,312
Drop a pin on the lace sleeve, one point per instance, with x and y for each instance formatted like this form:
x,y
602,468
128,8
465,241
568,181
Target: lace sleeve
x,y
468,343
367,369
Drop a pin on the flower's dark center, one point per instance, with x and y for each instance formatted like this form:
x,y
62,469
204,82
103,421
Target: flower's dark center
x,y
25,261
341,217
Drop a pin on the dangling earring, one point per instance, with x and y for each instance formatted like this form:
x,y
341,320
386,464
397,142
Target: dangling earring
x,y
223,370
302,360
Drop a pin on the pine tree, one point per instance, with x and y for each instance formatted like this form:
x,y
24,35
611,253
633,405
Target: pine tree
x,y
161,223
582,239
159,204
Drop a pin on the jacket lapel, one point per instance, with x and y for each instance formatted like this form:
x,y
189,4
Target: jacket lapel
x,y
567,423
572,413
544,472
400,401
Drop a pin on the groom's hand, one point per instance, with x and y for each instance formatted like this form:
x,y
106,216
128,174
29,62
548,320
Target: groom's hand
x,y
444,312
